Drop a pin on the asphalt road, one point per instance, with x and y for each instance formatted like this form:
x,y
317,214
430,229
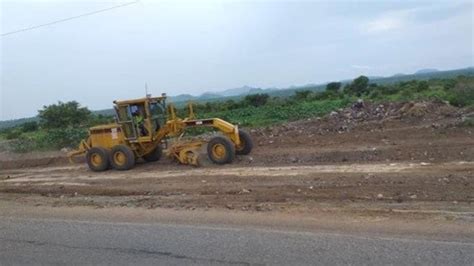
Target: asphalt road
x,y
52,242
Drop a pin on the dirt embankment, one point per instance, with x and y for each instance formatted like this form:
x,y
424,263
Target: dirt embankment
x,y
369,157
427,131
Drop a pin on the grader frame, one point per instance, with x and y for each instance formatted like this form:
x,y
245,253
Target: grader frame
x,y
120,144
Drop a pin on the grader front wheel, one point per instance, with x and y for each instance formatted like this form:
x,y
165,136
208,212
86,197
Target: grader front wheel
x,y
122,157
246,143
221,150
154,155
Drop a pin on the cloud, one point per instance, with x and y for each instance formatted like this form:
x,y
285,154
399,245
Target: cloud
x,y
389,21
402,19
360,67
384,24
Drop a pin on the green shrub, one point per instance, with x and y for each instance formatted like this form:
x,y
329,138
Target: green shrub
x,y
323,95
29,126
12,133
333,86
256,99
272,113
23,144
301,95
358,86
52,139
61,138
422,86
436,93
462,94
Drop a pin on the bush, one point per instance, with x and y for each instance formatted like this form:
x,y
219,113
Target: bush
x,y
29,126
435,93
301,95
462,94
277,113
358,86
375,94
12,133
333,86
62,138
324,95
23,144
257,99
422,86
52,139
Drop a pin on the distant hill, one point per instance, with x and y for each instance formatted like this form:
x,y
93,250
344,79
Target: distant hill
x,y
182,97
16,122
245,90
427,75
426,70
238,93
398,75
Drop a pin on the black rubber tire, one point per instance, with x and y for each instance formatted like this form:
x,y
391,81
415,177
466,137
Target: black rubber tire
x,y
129,161
247,143
154,155
104,155
228,146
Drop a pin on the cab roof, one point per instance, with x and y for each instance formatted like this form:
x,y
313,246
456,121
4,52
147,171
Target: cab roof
x,y
140,100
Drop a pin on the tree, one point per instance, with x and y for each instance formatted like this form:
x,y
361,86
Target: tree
x,y
463,93
302,94
333,86
422,86
62,115
256,99
358,86
29,126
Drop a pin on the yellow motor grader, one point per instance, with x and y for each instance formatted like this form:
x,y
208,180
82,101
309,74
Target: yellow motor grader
x,y
142,130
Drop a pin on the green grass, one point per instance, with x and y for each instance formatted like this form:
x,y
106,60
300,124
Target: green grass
x,y
44,140
274,114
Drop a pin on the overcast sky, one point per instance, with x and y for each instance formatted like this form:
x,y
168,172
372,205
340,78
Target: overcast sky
x,y
197,46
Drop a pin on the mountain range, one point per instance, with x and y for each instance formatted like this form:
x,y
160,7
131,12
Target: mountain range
x,y
421,74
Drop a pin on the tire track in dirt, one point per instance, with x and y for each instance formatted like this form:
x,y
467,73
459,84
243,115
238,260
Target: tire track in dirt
x,y
60,175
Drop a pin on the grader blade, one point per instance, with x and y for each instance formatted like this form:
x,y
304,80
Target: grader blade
x,y
186,152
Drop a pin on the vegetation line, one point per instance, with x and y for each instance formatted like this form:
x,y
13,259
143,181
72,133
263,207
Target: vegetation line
x,y
63,125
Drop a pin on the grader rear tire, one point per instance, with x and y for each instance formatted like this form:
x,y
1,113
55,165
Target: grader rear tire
x,y
154,155
221,150
246,143
98,159
122,157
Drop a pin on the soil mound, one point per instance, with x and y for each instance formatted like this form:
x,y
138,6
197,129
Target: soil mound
x,y
371,115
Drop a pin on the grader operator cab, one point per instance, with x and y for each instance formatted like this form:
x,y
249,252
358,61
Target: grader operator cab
x,y
143,128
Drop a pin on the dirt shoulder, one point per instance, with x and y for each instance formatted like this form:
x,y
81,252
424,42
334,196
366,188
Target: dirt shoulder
x,y
384,188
